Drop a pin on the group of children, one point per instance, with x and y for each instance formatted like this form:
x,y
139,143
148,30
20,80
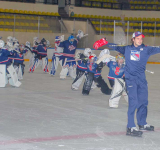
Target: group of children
x,y
124,73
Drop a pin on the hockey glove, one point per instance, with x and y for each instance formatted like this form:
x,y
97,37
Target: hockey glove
x,y
100,43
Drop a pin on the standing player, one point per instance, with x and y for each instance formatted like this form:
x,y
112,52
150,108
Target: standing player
x,y
69,64
57,55
136,57
40,54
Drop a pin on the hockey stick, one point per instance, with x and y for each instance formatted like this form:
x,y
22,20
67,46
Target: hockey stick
x,y
150,71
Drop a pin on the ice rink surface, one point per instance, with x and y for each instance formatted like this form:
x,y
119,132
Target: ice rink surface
x,y
45,114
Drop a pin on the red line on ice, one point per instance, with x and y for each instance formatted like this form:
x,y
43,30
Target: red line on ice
x,y
56,138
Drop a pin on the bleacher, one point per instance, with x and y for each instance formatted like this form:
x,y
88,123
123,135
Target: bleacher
x,y
26,21
105,24
115,4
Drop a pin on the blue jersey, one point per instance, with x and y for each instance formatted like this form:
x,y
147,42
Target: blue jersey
x,y
19,57
115,71
34,49
4,56
81,65
69,49
42,50
136,59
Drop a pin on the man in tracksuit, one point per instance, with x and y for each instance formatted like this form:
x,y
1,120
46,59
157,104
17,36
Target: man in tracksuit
x,y
136,56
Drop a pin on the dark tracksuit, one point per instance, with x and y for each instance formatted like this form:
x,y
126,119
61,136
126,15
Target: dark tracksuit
x,y
136,59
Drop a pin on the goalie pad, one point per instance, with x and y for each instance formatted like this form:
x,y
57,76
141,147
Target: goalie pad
x,y
2,75
100,43
103,85
20,73
45,64
13,78
88,83
31,59
118,88
78,80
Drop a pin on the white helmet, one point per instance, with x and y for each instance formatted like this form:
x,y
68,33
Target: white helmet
x,y
87,52
105,51
9,38
28,44
15,43
2,43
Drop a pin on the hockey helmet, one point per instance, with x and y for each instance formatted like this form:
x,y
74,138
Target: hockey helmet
x,y
87,52
71,39
57,38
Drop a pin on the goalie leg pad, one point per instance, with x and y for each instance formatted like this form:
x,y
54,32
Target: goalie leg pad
x,y
45,64
63,72
3,81
88,83
103,85
55,62
116,93
78,80
20,74
13,78
72,70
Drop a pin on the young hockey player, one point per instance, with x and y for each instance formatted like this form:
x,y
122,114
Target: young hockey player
x,y
57,57
94,74
70,47
6,62
81,59
18,59
41,54
136,56
116,80
116,69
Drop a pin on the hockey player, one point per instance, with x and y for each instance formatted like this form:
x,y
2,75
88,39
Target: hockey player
x,y
41,54
94,73
116,69
7,67
97,76
116,80
4,54
70,47
18,59
33,51
82,59
136,56
57,55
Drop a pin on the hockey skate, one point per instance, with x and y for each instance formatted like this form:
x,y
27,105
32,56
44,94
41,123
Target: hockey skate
x,y
146,127
134,132
113,104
